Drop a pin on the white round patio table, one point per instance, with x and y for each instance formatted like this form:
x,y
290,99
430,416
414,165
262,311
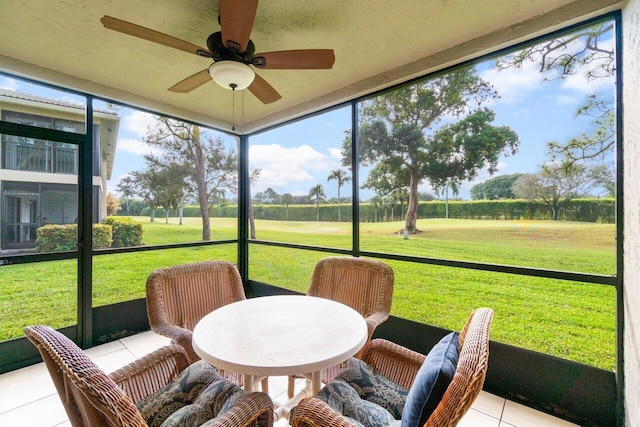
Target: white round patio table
x,y
280,335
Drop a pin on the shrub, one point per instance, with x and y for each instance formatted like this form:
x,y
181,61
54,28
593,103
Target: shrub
x,y
126,232
102,236
58,238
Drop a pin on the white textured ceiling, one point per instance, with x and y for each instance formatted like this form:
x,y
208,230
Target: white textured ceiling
x,y
376,43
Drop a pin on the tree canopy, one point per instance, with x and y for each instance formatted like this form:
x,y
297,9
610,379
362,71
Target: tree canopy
x,y
407,136
500,187
212,168
589,51
555,185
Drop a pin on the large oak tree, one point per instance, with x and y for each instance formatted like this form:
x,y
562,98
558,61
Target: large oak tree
x,y
435,131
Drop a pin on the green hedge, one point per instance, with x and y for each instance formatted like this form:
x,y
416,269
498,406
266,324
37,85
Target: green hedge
x,y
327,212
56,238
583,210
126,232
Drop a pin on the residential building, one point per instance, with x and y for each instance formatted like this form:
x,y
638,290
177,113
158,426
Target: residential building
x,y
39,178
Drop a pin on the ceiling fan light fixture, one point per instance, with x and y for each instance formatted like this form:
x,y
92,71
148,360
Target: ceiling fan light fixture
x,y
232,74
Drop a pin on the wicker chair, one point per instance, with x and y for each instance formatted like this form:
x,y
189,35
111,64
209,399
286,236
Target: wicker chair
x,y
362,284
401,365
179,296
92,398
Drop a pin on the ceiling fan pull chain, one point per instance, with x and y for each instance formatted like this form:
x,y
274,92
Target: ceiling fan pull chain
x,y
233,117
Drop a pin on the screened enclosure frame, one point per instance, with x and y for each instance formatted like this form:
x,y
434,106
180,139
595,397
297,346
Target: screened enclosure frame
x,y
84,254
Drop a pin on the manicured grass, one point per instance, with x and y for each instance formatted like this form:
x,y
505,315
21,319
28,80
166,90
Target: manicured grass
x,y
565,319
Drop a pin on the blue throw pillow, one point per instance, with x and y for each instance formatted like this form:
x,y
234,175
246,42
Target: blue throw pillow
x,y
432,381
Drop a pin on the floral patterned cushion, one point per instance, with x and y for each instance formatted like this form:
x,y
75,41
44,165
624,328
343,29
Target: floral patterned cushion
x,y
344,399
374,387
196,395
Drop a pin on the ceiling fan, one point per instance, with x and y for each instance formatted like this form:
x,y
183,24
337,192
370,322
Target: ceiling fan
x,y
232,52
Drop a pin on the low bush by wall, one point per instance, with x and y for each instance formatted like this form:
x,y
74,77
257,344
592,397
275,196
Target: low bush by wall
x,y
126,232
56,238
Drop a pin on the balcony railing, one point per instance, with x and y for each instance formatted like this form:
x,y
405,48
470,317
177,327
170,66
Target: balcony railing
x,y
50,157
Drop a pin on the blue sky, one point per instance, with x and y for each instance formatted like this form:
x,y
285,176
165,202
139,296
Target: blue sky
x,y
298,156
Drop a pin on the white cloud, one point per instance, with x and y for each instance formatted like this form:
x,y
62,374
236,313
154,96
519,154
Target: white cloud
x,y
286,166
8,84
513,85
335,153
138,122
567,100
135,146
581,82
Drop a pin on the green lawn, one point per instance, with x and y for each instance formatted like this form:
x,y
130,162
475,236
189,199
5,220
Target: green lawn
x,y
566,319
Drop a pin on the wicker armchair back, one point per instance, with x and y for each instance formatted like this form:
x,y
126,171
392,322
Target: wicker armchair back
x,y
362,284
179,296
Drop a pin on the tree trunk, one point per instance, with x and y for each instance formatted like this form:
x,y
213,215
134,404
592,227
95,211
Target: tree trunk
x,y
412,206
446,201
201,183
338,203
252,222
181,208
153,214
317,209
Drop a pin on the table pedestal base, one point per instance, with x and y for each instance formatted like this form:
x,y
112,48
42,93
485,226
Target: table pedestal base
x,y
311,388
282,410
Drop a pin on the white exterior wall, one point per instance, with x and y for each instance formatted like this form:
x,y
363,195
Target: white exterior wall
x,y
631,105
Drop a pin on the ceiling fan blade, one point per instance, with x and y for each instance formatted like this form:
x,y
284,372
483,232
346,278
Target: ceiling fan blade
x,y
191,82
135,30
310,59
236,22
263,90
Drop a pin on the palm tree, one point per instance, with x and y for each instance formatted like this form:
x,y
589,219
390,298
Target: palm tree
x,y
375,201
317,192
286,199
400,195
340,176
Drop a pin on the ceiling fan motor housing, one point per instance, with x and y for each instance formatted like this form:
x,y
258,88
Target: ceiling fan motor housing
x,y
221,53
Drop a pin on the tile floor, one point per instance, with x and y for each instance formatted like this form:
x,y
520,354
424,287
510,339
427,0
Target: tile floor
x,y
28,397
